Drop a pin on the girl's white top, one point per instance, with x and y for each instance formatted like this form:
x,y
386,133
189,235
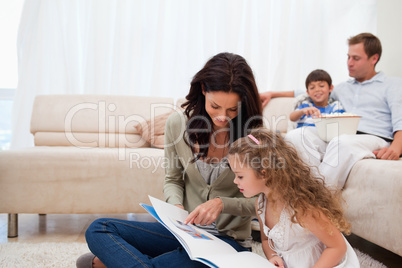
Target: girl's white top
x,y
297,246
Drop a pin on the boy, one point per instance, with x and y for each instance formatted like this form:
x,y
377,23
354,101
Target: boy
x,y
319,86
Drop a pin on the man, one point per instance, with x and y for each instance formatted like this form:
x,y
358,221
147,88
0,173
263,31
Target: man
x,y
371,95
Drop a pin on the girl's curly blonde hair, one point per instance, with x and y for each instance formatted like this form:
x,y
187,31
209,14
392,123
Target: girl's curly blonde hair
x,y
290,180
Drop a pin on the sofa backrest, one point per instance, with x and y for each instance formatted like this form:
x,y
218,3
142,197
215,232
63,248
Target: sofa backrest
x,y
109,121
276,114
93,120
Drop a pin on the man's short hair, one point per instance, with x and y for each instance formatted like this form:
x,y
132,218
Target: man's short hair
x,y
318,75
371,43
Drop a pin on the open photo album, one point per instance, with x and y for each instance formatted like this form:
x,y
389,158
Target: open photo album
x,y
200,245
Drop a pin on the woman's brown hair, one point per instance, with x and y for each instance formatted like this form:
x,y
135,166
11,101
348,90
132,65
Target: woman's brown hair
x,y
225,72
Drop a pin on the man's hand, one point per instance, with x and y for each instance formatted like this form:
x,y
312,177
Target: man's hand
x,y
394,151
265,98
205,213
387,153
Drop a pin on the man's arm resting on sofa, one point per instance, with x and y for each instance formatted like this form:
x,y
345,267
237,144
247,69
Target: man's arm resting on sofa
x,y
394,151
268,95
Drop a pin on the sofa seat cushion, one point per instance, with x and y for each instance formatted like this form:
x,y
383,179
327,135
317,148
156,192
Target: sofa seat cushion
x,y
78,180
374,202
80,139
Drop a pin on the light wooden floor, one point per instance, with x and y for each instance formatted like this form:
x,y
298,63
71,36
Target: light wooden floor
x,y
71,228
66,228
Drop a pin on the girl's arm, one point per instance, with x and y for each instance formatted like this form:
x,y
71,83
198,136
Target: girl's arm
x,y
331,237
269,253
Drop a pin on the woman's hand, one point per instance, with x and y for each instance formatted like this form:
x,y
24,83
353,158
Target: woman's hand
x,y
277,261
180,206
205,213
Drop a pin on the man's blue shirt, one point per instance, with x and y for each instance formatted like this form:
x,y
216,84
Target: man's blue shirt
x,y
378,101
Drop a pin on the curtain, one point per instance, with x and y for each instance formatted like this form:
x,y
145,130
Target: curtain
x,y
154,47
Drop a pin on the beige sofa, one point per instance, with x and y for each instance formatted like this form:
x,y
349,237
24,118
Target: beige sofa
x,y
89,158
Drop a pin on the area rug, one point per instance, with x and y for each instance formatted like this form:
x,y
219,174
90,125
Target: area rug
x,y
63,255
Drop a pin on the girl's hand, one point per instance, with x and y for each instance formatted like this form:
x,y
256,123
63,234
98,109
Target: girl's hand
x,y
312,111
205,213
277,261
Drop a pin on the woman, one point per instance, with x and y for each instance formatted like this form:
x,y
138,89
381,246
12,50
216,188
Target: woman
x,y
222,105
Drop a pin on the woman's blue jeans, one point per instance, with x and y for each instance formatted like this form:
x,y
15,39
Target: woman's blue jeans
x,y
122,243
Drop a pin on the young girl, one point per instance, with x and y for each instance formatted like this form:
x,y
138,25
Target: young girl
x,y
300,219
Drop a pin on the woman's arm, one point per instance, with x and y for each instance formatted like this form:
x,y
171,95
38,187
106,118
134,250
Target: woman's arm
x,y
207,212
238,206
331,237
173,187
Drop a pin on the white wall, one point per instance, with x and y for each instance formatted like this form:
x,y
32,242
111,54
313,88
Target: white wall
x,y
10,12
389,25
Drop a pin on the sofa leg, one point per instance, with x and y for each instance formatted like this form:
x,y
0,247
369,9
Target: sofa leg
x,y
12,225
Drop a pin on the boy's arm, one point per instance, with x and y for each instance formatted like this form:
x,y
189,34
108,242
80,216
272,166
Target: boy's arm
x,y
296,115
304,110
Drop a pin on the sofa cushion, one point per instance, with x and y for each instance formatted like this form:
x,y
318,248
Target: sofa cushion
x,y
153,130
101,120
276,114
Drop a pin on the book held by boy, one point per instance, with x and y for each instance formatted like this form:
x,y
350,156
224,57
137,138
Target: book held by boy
x,y
200,245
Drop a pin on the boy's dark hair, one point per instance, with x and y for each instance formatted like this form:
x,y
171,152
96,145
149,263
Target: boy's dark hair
x,y
372,45
318,75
